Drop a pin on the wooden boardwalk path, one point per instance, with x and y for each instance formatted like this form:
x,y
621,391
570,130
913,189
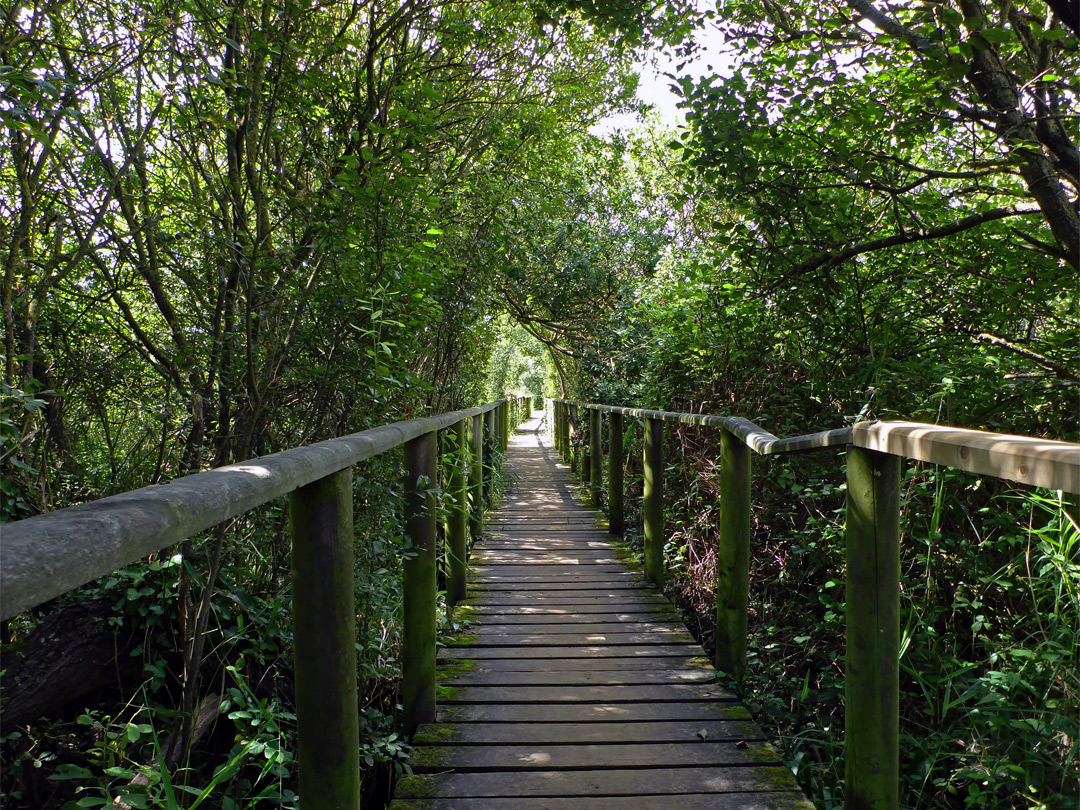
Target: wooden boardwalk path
x,y
577,686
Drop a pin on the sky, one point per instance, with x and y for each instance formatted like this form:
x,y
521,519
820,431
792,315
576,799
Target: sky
x,y
655,88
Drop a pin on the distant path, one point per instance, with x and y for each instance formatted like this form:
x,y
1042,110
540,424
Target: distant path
x,y
578,686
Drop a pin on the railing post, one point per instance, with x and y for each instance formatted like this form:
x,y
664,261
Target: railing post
x,y
476,477
489,458
575,448
418,631
653,506
585,463
596,460
615,474
733,555
872,675
324,640
457,516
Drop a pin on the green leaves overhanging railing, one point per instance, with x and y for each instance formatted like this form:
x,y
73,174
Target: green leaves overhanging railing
x,y
874,450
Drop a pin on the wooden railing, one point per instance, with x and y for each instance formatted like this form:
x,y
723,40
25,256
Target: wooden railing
x,y
43,557
874,450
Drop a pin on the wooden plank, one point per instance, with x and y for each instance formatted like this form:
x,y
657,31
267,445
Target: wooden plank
x,y
648,693
587,713
575,639
692,659
598,651
615,782
659,607
670,731
492,619
641,624
599,677
490,758
787,800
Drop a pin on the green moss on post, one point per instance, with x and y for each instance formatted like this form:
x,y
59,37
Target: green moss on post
x,y
615,474
733,555
418,632
324,622
596,459
872,677
476,477
457,514
653,506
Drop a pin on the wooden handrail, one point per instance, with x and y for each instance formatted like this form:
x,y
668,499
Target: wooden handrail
x,y
1037,462
872,540
45,556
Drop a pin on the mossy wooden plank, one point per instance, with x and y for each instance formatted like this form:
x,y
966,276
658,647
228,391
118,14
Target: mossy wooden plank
x,y
670,731
569,693
600,677
570,754
492,619
611,637
788,800
590,783
638,624
691,659
597,651
588,712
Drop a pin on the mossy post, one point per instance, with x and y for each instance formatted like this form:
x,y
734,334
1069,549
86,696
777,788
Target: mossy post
x,y
418,631
872,677
733,555
653,501
476,477
575,447
615,474
324,640
489,458
585,462
457,514
596,460
562,427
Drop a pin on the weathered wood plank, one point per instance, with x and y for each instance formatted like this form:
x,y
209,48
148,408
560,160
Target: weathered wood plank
x,y
599,677
619,693
657,731
588,712
691,659
616,782
658,636
599,651
487,758
788,800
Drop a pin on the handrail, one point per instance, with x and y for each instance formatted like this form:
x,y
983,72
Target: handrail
x,y
872,541
47,555
1033,461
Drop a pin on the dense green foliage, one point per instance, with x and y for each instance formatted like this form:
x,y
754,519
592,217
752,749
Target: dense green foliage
x,y
231,228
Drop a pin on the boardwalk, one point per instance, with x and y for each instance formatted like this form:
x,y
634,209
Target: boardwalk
x,y
577,686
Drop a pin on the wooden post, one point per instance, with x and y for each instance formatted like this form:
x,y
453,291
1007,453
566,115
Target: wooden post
x,y
490,458
504,425
418,631
733,555
476,477
596,460
324,640
615,474
457,515
872,677
585,462
653,506
575,448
